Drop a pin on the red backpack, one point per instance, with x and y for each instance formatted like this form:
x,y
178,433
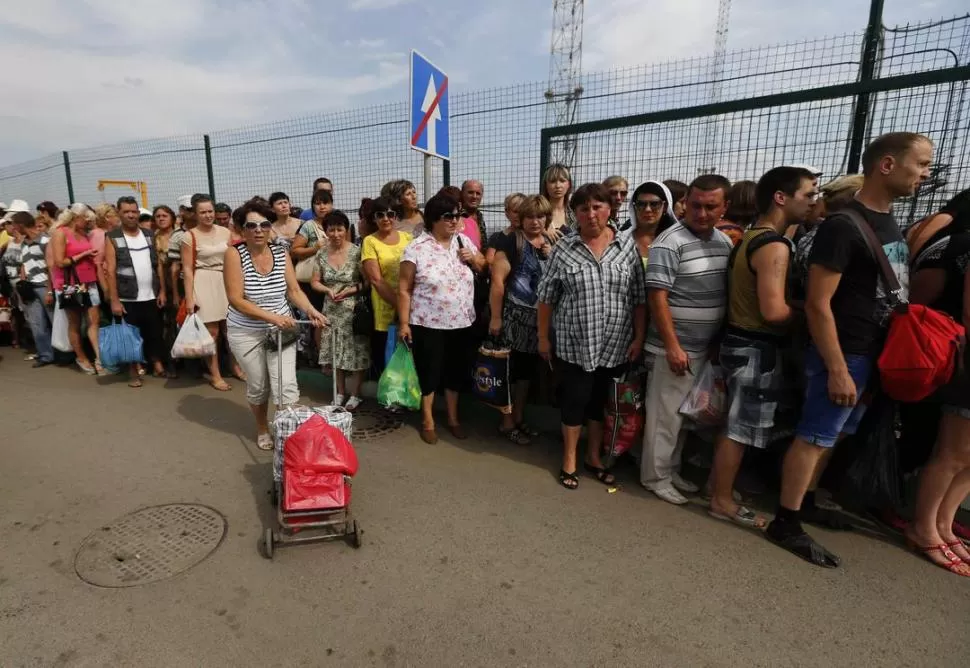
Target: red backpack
x,y
924,346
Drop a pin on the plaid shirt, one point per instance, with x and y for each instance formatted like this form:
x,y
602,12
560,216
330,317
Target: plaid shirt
x,y
593,300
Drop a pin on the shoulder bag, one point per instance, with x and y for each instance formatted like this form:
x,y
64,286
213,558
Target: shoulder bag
x,y
74,296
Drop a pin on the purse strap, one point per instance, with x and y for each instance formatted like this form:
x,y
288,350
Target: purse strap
x,y
894,290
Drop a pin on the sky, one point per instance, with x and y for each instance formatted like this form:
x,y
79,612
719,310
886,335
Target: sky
x,y
80,73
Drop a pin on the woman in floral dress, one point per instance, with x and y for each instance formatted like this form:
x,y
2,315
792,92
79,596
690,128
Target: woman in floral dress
x,y
337,276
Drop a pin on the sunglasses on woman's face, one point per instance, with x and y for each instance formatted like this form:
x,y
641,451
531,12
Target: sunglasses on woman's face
x,y
451,217
390,215
251,225
653,205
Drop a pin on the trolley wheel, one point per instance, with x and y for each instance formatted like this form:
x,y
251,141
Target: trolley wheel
x,y
268,544
358,535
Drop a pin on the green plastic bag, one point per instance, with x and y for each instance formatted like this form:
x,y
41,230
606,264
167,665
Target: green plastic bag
x,y
398,385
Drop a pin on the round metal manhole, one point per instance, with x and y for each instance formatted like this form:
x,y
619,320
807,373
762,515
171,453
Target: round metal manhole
x,y
373,422
149,545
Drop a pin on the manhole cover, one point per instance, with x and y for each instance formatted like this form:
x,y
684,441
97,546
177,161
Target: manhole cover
x,y
373,422
149,545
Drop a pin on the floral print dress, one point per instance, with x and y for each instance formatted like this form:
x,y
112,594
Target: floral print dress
x,y
352,352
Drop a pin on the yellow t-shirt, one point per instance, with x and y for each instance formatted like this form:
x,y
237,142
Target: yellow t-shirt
x,y
4,238
389,260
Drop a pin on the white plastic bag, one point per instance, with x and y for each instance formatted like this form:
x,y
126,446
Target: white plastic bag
x,y
193,340
706,403
59,337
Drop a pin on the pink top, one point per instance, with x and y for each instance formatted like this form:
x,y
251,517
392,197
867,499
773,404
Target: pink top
x,y
86,273
97,237
471,231
443,296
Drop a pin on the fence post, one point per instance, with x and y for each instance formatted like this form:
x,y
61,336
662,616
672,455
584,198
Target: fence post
x,y
544,140
446,172
67,176
208,167
870,54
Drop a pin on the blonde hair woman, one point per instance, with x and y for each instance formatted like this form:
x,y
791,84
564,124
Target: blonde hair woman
x,y
557,186
73,265
497,240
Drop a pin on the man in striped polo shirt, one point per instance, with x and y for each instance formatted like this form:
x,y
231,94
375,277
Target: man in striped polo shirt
x,y
687,292
37,311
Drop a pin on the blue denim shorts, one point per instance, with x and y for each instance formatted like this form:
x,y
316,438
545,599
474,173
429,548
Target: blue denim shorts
x,y
822,420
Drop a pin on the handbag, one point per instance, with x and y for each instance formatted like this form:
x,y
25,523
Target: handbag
x,y
74,295
183,311
26,292
363,322
305,267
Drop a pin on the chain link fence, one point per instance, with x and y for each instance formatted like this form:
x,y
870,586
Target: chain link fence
x,y
496,134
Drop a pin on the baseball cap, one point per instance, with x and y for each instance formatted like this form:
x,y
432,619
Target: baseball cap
x,y
144,212
184,202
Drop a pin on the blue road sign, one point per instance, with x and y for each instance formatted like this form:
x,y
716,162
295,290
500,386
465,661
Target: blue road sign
x,y
428,131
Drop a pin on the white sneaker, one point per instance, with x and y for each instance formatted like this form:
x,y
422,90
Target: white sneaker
x,y
670,495
338,400
352,403
685,486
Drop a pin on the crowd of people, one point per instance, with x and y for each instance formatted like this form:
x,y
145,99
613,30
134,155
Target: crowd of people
x,y
773,281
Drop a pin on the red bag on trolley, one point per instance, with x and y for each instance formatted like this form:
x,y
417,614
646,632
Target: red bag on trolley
x,y
316,459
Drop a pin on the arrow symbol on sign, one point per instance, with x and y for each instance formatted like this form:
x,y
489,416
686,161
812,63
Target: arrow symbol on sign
x,y
431,104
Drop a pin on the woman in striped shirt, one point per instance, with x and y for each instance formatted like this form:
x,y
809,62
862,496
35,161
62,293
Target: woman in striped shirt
x,y
260,283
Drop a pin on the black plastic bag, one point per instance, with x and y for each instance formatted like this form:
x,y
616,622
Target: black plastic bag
x,y
872,478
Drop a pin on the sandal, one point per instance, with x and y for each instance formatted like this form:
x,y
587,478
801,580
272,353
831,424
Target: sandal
x,y
86,369
135,382
744,517
527,430
264,442
224,387
515,435
956,547
804,546
601,474
98,369
568,480
954,564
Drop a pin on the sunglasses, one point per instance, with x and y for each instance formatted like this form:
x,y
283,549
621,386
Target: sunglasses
x,y
619,193
655,205
452,217
390,215
252,225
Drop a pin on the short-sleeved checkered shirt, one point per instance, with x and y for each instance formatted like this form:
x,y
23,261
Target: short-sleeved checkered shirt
x,y
593,300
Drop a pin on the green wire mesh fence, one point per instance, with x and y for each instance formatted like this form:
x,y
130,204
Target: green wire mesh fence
x,y
496,133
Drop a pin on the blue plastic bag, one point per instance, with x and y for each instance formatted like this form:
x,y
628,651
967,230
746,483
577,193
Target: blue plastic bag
x,y
120,343
391,344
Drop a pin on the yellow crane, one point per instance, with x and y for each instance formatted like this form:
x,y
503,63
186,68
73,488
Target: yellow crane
x,y
137,186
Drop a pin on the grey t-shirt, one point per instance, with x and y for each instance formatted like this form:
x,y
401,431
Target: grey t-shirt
x,y
694,272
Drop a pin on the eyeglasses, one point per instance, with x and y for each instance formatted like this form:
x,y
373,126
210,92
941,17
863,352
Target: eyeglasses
x,y
619,193
389,214
653,205
451,217
251,225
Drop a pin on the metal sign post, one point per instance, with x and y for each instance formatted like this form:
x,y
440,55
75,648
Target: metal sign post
x,y
429,127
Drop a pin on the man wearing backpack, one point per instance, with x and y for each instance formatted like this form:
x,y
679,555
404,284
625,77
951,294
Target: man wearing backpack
x,y
757,331
847,310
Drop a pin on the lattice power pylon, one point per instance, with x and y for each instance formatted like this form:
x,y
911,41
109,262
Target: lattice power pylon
x,y
565,74
717,73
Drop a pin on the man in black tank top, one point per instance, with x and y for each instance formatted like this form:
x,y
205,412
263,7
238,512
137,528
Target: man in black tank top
x,y
758,317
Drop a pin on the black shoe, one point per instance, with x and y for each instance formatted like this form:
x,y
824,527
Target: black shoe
x,y
39,363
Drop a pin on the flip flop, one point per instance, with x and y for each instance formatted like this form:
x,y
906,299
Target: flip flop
x,y
515,435
568,480
264,442
135,383
527,430
225,387
804,546
745,517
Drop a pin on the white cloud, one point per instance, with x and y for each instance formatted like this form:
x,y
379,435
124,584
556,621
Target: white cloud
x,y
361,5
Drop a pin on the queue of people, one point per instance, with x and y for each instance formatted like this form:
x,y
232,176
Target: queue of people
x,y
708,272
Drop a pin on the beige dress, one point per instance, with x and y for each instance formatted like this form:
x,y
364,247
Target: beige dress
x,y
210,290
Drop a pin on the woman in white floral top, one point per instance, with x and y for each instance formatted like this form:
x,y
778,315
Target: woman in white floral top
x,y
436,305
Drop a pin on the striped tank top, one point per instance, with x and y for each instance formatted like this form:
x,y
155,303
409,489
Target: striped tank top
x,y
267,291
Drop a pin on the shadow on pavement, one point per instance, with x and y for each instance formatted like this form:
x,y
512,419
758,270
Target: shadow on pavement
x,y
260,478
216,413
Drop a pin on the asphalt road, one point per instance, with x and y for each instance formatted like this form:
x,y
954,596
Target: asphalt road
x,y
473,556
